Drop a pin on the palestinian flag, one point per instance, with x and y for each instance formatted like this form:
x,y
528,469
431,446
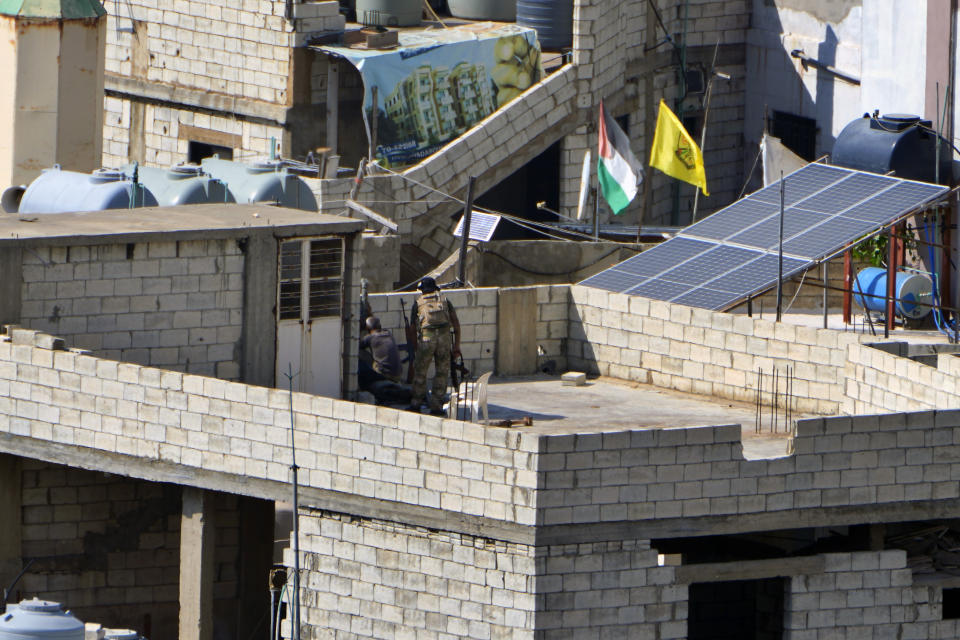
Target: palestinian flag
x,y
618,171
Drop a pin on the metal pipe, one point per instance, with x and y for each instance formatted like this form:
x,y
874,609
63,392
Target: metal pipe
x,y
465,231
780,251
295,618
823,277
756,415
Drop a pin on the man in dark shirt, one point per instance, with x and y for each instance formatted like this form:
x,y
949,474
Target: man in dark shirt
x,y
385,363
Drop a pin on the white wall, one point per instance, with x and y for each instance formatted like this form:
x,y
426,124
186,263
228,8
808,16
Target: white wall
x,y
894,56
883,42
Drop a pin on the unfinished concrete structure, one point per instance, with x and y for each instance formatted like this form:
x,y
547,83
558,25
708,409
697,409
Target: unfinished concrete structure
x,y
51,68
416,526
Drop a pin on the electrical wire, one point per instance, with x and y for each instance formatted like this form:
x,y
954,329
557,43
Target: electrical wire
x,y
797,292
521,221
547,273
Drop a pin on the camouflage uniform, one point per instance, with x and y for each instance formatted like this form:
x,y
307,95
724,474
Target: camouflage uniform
x,y
434,345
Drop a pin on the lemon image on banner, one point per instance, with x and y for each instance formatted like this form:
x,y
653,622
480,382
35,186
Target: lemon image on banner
x,y
675,153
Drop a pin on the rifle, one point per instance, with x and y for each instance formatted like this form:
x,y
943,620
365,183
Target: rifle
x,y
364,305
411,342
457,367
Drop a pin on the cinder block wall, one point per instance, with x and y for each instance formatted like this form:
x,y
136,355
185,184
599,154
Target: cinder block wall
x,y
176,305
376,579
865,594
877,381
700,351
107,547
477,312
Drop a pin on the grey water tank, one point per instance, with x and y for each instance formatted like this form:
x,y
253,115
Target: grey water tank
x,y
181,184
498,10
903,144
266,182
58,191
553,20
39,620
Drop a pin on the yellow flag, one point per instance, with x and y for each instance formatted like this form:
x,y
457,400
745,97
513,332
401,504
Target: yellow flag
x,y
675,153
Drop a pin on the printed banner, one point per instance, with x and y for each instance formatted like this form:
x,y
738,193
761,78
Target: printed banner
x,y
436,84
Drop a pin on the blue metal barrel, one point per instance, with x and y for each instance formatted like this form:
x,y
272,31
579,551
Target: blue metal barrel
x,y
914,292
553,20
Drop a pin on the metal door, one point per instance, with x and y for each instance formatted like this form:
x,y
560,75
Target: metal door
x,y
309,308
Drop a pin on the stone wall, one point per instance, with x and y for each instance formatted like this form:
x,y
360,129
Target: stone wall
x,y
371,578
710,353
615,587
878,381
218,426
689,472
176,305
107,547
865,594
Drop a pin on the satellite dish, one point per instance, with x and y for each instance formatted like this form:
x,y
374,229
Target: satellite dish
x,y
584,186
10,200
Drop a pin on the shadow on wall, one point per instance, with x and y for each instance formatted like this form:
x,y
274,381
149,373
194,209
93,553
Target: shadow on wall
x,y
777,98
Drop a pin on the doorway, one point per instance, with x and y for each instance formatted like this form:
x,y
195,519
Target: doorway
x,y
309,310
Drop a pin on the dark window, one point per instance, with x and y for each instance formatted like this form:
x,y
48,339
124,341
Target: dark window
x,y
797,133
291,280
737,610
326,277
951,604
197,151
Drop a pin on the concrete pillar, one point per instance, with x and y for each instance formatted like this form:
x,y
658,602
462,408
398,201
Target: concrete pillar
x,y
196,565
11,493
260,298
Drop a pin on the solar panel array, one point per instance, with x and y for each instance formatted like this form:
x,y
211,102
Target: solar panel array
x,y
482,226
733,254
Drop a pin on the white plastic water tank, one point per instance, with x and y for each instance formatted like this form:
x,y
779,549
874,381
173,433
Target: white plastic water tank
x,y
39,620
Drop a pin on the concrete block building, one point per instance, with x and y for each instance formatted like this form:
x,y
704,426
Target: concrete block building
x,y
425,527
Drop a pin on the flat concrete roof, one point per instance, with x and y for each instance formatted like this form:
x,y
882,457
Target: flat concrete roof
x,y
211,221
607,404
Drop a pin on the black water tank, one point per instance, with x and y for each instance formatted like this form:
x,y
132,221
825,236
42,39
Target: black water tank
x,y
553,20
901,143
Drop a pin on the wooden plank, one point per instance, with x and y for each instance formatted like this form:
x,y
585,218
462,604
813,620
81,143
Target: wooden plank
x,y
517,331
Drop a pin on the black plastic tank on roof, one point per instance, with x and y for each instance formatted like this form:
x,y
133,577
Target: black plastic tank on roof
x,y
901,143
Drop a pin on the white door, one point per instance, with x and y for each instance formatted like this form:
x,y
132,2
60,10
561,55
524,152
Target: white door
x,y
309,308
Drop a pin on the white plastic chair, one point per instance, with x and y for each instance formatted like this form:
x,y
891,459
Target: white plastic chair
x,y
472,396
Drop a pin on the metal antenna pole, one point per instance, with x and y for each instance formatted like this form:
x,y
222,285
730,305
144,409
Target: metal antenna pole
x,y
465,232
780,254
296,514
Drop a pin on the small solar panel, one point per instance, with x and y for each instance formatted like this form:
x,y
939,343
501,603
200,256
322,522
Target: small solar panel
x,y
733,254
613,280
482,226
732,219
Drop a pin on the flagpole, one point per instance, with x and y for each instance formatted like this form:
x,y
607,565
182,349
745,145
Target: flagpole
x,y
706,114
